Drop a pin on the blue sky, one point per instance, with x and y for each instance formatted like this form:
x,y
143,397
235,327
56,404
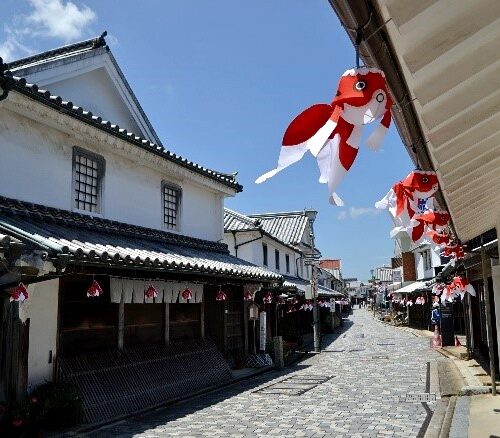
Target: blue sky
x,y
220,80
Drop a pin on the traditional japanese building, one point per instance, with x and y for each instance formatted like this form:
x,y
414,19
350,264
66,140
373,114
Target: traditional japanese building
x,y
281,242
132,295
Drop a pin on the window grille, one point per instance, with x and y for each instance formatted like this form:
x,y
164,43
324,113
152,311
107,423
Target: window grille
x,y
287,263
264,253
171,202
88,172
277,259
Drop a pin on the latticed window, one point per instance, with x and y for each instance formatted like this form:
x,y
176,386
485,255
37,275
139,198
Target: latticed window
x,y
88,171
171,203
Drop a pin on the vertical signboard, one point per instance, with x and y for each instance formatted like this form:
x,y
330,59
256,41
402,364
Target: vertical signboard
x,y
262,331
447,329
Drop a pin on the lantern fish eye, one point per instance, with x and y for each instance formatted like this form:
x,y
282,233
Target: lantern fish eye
x,y
425,179
360,85
380,97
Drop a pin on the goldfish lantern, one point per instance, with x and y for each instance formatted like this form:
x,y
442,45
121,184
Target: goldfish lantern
x,y
413,195
248,296
19,293
150,292
461,285
332,132
454,251
94,289
221,296
187,294
268,298
432,220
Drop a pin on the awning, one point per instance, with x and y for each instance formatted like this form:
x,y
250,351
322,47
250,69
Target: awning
x,y
303,285
87,240
413,287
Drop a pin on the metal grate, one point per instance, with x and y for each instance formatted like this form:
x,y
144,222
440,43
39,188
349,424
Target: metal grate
x,y
87,176
116,383
171,198
294,385
423,397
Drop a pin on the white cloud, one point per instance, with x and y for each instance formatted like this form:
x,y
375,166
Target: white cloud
x,y
58,19
356,212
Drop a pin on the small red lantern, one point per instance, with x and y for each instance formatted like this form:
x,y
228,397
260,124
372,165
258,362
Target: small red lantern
x,y
20,293
187,294
248,296
291,309
150,292
295,300
281,301
221,296
94,289
268,298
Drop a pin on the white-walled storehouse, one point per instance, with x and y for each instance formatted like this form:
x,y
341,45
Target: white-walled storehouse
x,y
88,192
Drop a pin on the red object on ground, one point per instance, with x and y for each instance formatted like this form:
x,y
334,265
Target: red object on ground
x,y
436,340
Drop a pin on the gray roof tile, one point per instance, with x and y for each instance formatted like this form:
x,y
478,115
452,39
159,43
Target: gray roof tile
x,y
88,239
287,227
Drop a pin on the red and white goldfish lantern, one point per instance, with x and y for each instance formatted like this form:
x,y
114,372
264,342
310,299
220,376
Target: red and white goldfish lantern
x,y
187,294
409,197
268,298
455,251
150,292
248,296
19,293
332,132
94,289
221,296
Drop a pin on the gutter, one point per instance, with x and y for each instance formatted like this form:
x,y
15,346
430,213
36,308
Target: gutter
x,y
376,49
236,246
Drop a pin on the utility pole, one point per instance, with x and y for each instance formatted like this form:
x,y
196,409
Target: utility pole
x,y
311,215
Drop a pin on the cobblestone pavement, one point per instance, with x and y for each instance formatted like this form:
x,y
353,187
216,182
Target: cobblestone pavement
x,y
370,368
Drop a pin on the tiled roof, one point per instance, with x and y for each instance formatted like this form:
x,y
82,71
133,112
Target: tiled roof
x,y
11,82
287,227
330,263
234,221
79,47
85,239
301,284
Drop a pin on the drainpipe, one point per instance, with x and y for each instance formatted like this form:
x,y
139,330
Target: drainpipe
x,y
236,246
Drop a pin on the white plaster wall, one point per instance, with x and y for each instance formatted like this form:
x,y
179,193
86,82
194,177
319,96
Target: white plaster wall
x,y
36,166
94,91
42,310
35,162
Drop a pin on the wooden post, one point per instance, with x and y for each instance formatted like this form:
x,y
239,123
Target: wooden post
x,y
245,324
121,323
202,319
489,329
167,323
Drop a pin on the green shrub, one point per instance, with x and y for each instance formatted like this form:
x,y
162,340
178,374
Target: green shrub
x,y
55,405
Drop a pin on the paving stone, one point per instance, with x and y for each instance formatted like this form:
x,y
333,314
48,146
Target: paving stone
x,y
365,398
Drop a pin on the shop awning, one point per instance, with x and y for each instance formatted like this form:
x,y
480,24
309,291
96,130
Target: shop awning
x,y
302,285
413,287
86,240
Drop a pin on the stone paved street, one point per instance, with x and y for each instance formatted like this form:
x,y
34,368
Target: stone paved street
x,y
371,367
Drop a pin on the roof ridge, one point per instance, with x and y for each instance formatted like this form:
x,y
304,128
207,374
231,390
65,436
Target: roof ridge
x,y
240,216
277,214
92,43
77,112
14,207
